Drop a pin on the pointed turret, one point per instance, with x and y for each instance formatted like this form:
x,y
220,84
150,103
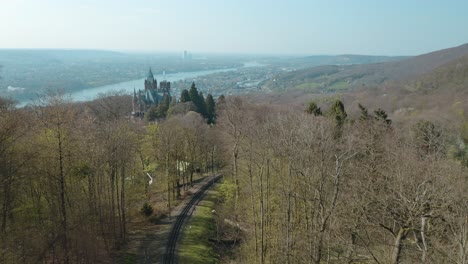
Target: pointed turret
x,y
150,76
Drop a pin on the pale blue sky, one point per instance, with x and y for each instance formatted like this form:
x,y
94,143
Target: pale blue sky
x,y
393,27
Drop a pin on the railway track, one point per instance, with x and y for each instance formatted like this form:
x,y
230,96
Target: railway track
x,y
170,253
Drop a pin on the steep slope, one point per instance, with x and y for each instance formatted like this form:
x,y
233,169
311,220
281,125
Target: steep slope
x,y
452,77
440,94
336,78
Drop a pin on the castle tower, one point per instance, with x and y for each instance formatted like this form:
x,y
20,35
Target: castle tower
x,y
150,81
150,76
151,96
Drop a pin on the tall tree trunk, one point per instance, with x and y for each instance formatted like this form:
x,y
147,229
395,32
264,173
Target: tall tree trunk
x,y
423,238
267,209
236,180
122,204
288,214
400,237
168,185
262,221
62,197
318,247
112,191
117,197
252,202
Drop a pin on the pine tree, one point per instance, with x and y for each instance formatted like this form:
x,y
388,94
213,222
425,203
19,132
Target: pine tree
x,y
313,109
364,113
339,113
221,99
184,96
193,93
382,115
151,114
198,100
201,105
163,107
210,109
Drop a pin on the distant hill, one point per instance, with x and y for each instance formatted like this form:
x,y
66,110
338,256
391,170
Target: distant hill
x,y
318,60
41,56
344,77
452,76
440,94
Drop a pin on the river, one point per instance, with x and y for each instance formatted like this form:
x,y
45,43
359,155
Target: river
x,y
127,87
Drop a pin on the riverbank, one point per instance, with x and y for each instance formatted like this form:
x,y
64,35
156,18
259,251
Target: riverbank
x,y
127,87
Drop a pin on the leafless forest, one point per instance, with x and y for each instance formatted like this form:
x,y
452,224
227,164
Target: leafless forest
x,y
302,185
330,188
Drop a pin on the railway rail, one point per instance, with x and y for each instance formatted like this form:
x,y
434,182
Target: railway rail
x,y
169,256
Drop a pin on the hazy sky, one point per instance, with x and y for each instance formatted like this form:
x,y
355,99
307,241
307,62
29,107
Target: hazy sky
x,y
393,27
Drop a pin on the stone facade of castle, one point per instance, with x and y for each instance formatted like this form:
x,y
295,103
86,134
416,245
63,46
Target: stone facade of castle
x,y
152,95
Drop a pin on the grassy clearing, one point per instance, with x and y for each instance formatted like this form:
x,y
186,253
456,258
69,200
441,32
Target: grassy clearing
x,y
195,246
339,85
309,86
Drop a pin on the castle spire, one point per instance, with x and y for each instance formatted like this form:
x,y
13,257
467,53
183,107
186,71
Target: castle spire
x,y
150,76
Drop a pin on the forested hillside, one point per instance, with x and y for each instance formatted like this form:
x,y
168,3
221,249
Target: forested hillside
x,y
341,78
303,184
73,177
373,175
329,187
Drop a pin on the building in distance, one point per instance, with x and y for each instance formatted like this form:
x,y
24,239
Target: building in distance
x,y
151,96
186,55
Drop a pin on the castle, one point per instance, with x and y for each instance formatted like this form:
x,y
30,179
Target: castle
x,y
151,96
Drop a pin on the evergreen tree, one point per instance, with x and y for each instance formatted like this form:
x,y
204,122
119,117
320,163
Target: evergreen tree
x,y
220,103
163,107
382,115
339,113
201,105
364,113
198,100
193,93
221,99
184,96
210,109
159,111
313,109
173,102
151,114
